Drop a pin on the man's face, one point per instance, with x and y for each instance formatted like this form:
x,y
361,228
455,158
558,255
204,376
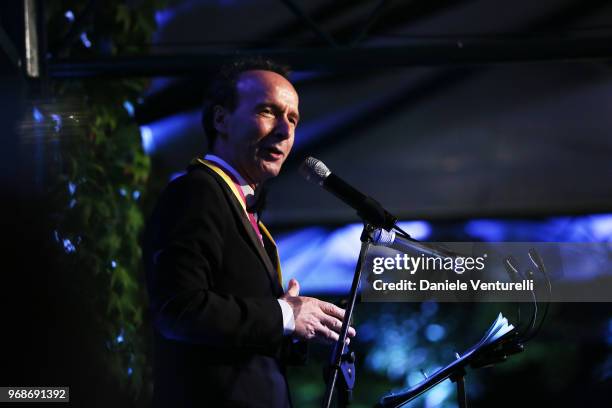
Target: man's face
x,y
257,136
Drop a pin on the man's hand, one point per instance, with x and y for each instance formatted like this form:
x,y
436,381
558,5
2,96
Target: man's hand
x,y
314,319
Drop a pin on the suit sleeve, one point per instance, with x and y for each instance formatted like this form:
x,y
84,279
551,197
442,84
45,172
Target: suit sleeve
x,y
187,236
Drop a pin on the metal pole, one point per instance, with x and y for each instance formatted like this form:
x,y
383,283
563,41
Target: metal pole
x,y
336,359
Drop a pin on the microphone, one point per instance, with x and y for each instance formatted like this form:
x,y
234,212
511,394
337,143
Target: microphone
x,y
367,208
392,240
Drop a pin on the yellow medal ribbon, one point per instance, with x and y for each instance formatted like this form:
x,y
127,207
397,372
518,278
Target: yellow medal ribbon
x,y
238,196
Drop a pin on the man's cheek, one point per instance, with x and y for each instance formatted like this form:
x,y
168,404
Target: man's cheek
x,y
289,147
264,129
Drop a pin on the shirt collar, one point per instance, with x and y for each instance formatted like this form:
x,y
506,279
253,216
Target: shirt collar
x,y
247,190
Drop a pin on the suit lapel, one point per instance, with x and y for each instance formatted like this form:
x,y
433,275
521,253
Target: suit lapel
x,y
240,212
254,239
272,251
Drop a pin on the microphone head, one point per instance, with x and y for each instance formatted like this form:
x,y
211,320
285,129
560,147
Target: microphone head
x,y
314,170
536,259
383,238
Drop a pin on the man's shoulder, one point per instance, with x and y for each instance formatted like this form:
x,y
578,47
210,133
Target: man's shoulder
x,y
197,176
198,181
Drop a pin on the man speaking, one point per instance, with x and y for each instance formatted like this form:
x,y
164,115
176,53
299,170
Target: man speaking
x,y
224,328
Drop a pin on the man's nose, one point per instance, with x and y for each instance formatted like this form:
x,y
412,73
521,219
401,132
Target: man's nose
x,y
284,129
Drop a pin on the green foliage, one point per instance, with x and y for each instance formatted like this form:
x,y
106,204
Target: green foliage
x,y
101,186
107,170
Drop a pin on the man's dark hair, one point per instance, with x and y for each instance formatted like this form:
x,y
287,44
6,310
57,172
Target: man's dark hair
x,y
222,90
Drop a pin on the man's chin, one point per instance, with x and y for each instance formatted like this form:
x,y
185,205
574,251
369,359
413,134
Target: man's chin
x,y
269,170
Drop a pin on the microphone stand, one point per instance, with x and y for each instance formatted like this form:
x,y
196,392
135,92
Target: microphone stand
x,y
342,360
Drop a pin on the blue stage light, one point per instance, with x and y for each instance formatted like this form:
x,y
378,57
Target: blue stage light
x,y
420,230
157,135
417,357
306,252
85,40
129,108
68,246
434,332
414,377
71,188
486,230
58,122
37,115
146,136
162,17
437,395
601,227
396,363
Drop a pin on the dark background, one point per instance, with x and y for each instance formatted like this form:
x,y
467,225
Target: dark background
x,y
444,111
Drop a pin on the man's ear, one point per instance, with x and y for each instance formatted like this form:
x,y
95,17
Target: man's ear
x,y
220,119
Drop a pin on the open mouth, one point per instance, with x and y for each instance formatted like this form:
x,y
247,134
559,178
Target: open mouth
x,y
273,152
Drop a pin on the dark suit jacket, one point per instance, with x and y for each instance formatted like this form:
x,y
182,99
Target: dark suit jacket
x,y
213,289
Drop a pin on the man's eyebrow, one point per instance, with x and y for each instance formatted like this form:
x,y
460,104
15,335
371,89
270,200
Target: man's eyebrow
x,y
265,105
